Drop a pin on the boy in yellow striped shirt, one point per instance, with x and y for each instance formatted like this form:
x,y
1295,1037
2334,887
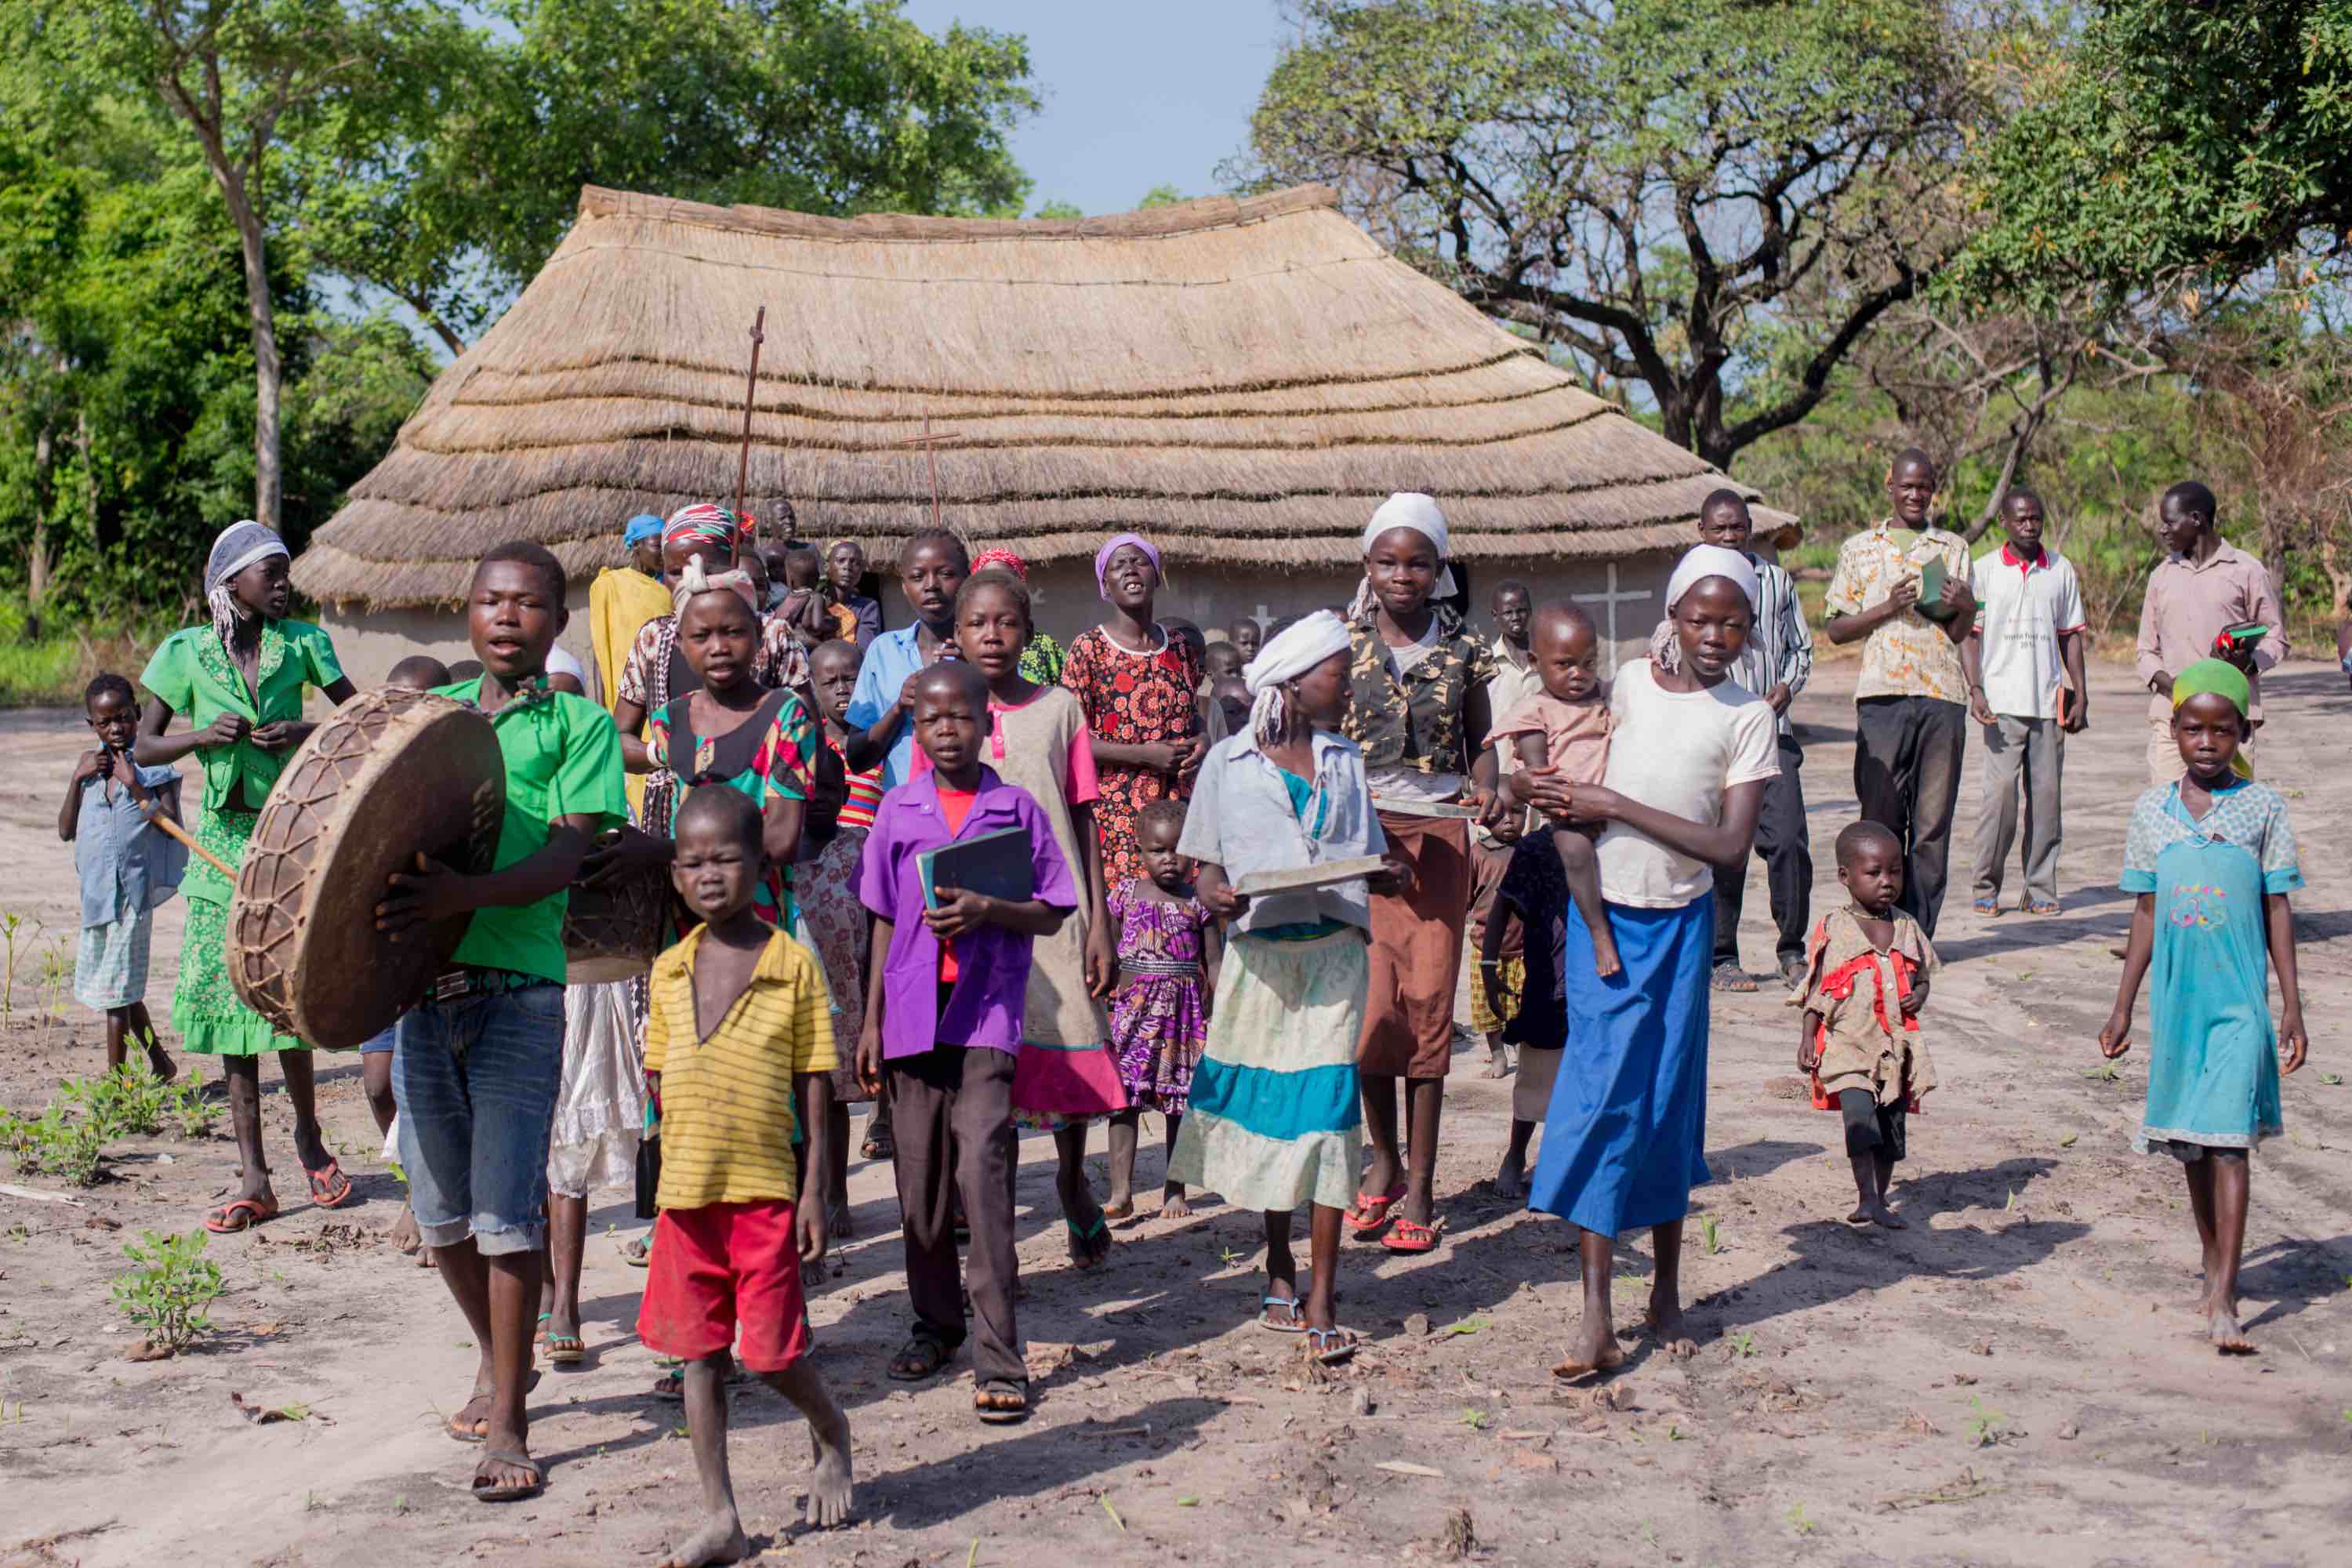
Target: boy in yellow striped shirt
x,y
738,1019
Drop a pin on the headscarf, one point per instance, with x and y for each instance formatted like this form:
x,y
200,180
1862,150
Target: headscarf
x,y
998,556
2217,677
1413,509
642,527
703,524
694,582
1102,560
239,546
1699,562
1304,644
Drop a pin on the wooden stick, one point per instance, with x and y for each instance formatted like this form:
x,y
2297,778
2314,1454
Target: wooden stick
x,y
751,390
180,833
932,453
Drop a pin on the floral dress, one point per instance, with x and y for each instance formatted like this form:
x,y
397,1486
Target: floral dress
x,y
1159,1015
771,753
1132,699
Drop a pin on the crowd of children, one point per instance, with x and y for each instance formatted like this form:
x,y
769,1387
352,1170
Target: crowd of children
x,y
980,884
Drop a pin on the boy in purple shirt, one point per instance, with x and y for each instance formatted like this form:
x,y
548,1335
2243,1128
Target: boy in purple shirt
x,y
943,1014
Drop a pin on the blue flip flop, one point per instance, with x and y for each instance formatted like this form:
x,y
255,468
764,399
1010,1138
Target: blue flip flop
x,y
1297,1309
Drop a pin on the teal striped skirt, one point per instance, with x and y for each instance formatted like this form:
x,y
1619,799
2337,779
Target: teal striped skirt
x,y
1274,1118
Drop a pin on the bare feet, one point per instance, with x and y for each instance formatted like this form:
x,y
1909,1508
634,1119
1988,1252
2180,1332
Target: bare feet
x,y
1595,1350
838,1224
2227,1336
405,1238
1120,1208
472,1422
1499,1062
830,1483
720,1540
1664,1323
164,1069
1511,1177
1173,1204
1875,1212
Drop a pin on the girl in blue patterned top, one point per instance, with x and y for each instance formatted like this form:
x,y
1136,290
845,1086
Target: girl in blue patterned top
x,y
2211,858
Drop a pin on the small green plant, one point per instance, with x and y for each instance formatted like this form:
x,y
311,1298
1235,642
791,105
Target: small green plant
x,y
1477,1420
126,1101
191,1116
2332,1079
57,975
1743,1344
1988,1426
1710,1235
70,1147
166,1295
16,930
19,1143
2105,1072
1799,1521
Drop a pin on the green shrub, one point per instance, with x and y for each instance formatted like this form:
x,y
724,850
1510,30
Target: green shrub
x,y
166,1296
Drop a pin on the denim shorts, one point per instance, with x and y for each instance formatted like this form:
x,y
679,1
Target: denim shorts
x,y
476,1081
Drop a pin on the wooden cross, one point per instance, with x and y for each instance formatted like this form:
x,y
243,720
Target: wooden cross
x,y
1610,600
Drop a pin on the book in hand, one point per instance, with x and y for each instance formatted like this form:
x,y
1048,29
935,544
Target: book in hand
x,y
2232,641
1307,879
997,864
1932,577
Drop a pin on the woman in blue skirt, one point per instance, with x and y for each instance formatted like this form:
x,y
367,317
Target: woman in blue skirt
x,y
1624,1139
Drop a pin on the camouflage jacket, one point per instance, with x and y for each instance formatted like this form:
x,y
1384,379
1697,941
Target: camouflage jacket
x,y
1417,723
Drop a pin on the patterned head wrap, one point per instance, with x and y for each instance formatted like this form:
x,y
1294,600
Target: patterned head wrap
x,y
1408,509
642,527
2217,677
694,582
239,546
1304,644
703,524
1102,560
996,555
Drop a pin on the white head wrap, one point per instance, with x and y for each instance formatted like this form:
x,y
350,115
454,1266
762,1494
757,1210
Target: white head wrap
x,y
1304,644
694,581
239,546
1699,562
1408,509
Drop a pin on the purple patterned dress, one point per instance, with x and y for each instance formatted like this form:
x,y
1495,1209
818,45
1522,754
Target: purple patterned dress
x,y
1158,1016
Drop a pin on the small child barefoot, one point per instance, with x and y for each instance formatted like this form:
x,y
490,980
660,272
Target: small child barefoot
x,y
1174,1202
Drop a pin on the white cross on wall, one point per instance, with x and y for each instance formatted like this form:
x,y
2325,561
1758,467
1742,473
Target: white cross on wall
x,y
1610,600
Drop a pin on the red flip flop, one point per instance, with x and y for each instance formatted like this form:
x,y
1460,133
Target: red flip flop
x,y
239,1214
1410,1236
1371,1213
329,1188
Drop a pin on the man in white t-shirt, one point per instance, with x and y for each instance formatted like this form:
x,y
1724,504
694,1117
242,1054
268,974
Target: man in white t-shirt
x,y
2024,667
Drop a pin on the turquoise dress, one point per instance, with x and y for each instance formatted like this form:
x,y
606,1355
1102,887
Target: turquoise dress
x,y
2212,1073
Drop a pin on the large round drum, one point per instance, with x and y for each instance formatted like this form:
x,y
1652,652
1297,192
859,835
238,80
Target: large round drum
x,y
394,774
615,931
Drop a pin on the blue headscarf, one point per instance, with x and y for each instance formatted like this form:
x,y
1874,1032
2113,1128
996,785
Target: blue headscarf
x,y
642,527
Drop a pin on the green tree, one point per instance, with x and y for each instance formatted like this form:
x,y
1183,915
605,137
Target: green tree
x,y
2167,146
1712,201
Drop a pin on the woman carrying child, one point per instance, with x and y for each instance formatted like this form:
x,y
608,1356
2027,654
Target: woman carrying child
x,y
1137,681
2210,857
1167,952
1689,756
1274,1118
1037,740
239,682
1417,705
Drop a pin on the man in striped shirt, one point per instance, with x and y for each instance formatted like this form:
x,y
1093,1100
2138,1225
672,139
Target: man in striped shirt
x,y
1775,666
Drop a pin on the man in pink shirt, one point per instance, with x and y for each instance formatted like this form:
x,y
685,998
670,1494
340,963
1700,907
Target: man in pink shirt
x,y
2204,588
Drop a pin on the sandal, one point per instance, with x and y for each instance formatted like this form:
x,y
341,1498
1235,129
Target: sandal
x,y
329,1188
1000,1401
239,1214
1267,1305
514,1492
879,1144
2042,908
565,1350
1120,1210
1986,906
638,1252
1411,1236
924,1353
1332,1346
1792,973
1731,977
670,1386
1090,1247
1372,1212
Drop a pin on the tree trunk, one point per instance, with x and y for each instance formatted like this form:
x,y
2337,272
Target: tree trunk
x,y
268,373
36,565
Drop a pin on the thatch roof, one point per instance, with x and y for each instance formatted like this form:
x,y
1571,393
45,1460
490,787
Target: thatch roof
x,y
1244,380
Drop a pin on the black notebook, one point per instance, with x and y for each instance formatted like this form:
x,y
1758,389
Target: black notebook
x,y
997,864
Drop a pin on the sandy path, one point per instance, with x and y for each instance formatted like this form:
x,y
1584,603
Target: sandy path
x,y
2013,1379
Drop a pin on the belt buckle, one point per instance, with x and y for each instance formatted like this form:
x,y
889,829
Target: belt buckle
x,y
452,983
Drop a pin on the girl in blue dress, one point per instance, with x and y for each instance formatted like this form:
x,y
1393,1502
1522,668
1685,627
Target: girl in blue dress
x,y
2211,858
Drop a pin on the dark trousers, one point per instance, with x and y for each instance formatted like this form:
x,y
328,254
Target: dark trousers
x,y
1907,775
951,1113
1781,840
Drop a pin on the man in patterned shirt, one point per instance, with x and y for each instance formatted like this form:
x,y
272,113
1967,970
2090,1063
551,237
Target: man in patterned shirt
x,y
1775,666
1911,700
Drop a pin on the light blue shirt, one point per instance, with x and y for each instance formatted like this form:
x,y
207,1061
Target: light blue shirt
x,y
889,660
1241,817
127,865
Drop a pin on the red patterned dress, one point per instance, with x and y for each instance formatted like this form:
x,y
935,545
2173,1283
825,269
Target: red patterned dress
x,y
1132,699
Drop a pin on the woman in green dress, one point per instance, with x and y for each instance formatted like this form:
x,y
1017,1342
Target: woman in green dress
x,y
239,683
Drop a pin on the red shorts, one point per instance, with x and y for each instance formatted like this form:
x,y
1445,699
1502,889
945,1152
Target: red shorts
x,y
720,1267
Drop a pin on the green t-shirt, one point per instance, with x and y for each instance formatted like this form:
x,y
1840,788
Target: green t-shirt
x,y
564,759
193,674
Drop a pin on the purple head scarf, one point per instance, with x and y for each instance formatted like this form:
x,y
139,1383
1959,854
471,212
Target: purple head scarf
x,y
1102,559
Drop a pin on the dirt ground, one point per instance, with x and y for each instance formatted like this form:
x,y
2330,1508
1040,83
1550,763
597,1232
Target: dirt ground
x,y
2015,1379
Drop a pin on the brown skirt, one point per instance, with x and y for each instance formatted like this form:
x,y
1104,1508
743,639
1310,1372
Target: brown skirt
x,y
1417,950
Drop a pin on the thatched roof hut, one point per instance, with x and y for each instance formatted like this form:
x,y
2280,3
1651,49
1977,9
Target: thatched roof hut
x,y
1242,380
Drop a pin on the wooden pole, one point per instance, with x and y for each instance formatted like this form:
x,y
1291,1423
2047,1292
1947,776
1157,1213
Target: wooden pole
x,y
929,443
751,390
180,833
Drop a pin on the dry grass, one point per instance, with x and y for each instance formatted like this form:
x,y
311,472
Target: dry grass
x,y
1244,379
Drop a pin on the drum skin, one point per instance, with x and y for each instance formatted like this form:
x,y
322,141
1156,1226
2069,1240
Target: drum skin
x,y
392,775
615,931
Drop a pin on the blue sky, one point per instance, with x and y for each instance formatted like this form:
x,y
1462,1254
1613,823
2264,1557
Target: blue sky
x,y
1134,95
